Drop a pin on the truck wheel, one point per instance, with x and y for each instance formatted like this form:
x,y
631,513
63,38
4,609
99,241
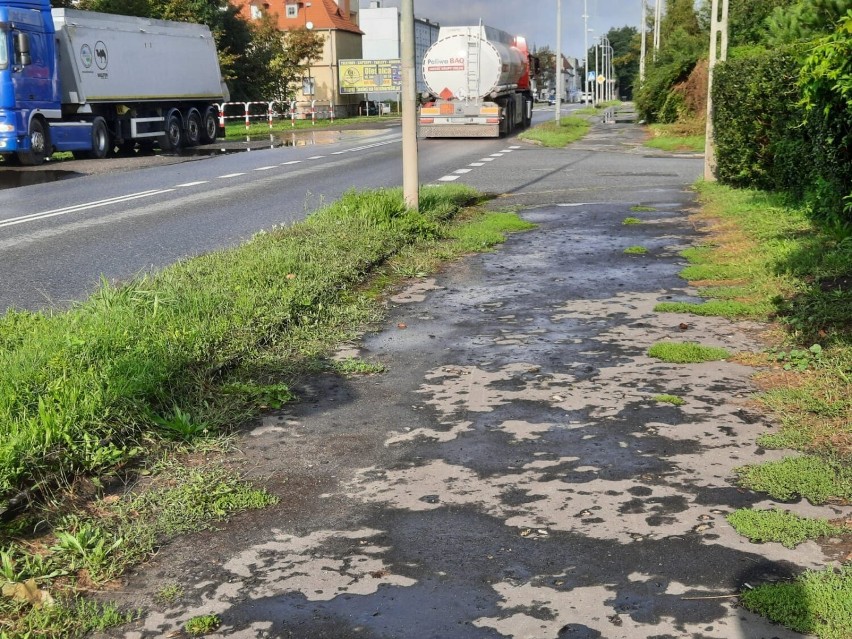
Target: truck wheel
x,y
172,139
192,131
100,139
209,125
39,144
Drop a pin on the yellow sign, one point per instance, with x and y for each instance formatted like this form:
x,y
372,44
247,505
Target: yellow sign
x,y
369,76
601,79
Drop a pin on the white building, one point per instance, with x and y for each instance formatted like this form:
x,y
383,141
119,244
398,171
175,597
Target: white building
x,y
381,39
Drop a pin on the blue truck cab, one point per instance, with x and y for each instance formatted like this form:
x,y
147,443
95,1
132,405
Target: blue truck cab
x,y
29,83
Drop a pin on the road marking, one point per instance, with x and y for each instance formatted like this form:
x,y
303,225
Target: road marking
x,y
316,157
185,184
496,155
462,171
514,147
506,151
266,168
290,162
338,152
486,160
449,178
32,217
230,175
477,164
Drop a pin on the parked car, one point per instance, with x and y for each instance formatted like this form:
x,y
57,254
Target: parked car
x,y
368,107
384,108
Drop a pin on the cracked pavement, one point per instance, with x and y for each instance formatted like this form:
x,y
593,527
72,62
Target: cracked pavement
x,y
510,475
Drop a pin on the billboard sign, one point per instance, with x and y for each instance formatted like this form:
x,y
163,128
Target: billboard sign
x,y
369,76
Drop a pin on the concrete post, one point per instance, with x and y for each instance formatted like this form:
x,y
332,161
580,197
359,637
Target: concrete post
x,y
558,61
410,169
643,46
718,51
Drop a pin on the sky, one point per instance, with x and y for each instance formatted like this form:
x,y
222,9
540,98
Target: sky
x,y
535,19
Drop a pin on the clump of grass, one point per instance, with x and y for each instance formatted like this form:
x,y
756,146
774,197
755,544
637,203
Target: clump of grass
x,y
674,400
686,352
169,593
202,624
676,137
550,134
638,208
713,308
354,366
72,617
816,479
635,250
780,526
816,602
628,221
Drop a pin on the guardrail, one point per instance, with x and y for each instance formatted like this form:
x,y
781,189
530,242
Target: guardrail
x,y
270,113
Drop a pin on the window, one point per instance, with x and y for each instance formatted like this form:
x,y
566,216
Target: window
x,y
256,13
292,11
308,86
4,50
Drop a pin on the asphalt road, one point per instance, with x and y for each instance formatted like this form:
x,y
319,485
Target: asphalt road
x,y
113,219
510,475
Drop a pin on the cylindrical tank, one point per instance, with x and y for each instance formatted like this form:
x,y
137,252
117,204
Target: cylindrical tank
x,y
471,62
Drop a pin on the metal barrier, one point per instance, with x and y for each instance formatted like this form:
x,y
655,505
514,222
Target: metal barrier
x,y
246,114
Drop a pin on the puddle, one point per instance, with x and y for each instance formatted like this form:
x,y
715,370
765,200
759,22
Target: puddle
x,y
12,178
277,140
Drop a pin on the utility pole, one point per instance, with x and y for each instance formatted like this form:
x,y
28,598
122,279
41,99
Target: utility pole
x,y
586,46
658,16
718,51
597,73
558,61
410,171
643,47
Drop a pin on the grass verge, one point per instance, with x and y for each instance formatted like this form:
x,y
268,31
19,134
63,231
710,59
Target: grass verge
x,y
236,130
767,259
676,137
550,134
174,360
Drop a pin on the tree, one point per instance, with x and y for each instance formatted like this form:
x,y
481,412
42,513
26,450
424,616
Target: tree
x,y
747,20
805,20
281,58
545,78
625,43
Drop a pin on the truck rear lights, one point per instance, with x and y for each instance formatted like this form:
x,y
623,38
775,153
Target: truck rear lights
x,y
427,120
492,120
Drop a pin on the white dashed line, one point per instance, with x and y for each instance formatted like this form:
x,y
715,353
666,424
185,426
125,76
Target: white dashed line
x,y
266,168
506,151
338,152
179,186
449,178
316,157
477,164
496,155
290,162
230,175
514,147
462,171
487,160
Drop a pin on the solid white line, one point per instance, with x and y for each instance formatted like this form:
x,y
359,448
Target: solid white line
x,y
80,207
477,164
449,178
290,162
266,168
462,171
178,186
230,175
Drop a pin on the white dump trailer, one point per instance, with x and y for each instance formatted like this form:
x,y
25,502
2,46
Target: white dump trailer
x,y
479,84
89,82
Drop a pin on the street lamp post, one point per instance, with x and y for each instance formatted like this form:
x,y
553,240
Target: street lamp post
x,y
558,61
586,45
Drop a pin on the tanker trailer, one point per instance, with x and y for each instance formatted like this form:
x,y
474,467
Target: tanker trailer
x,y
479,84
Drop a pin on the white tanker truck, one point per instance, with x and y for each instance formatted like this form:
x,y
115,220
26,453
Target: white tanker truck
x,y
479,84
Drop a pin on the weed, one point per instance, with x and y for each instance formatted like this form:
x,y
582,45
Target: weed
x,y
202,624
65,619
642,209
88,546
781,526
816,602
686,352
628,221
635,250
798,359
674,400
260,395
181,425
814,478
169,593
353,366
713,308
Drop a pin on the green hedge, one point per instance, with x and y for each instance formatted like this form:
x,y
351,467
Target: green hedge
x,y
784,122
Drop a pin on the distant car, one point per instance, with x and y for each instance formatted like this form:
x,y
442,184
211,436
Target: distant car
x,y
384,108
368,107
586,97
